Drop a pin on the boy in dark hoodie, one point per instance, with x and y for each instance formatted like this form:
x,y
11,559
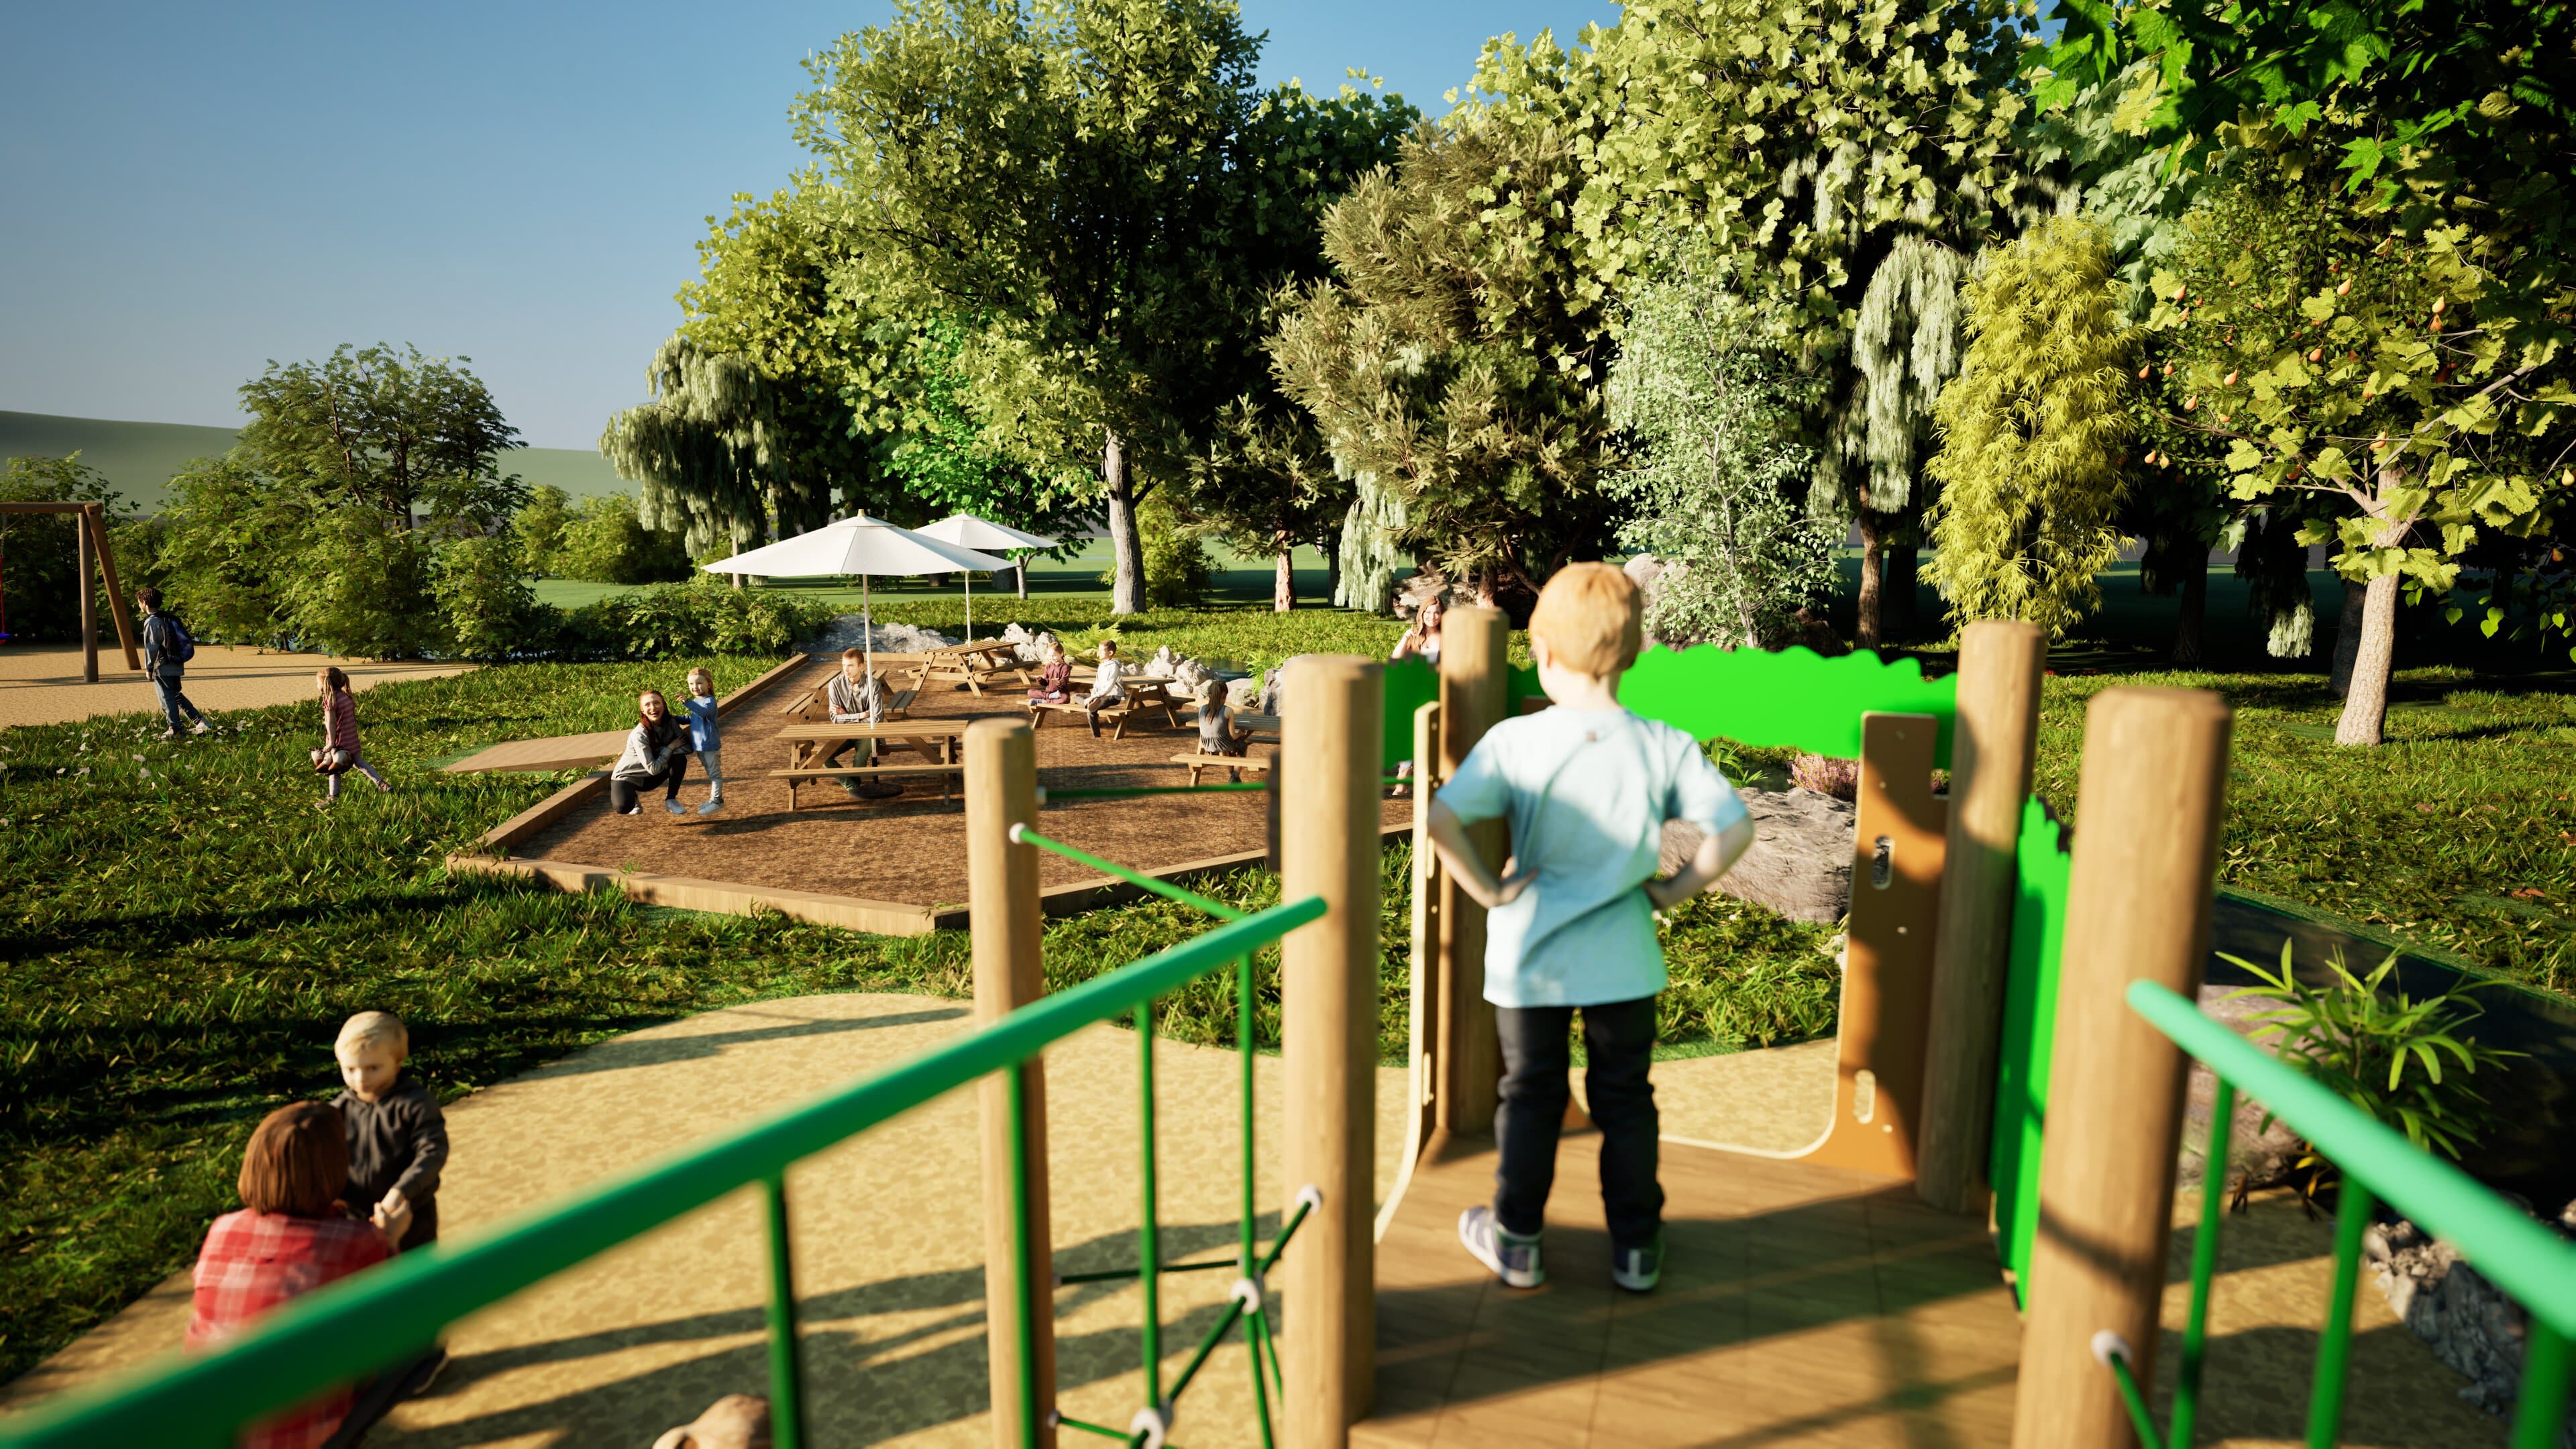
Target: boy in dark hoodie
x,y
397,1137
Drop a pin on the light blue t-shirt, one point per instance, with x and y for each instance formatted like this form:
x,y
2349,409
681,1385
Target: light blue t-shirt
x,y
1587,793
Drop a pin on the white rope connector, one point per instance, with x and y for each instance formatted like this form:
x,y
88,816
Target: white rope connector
x,y
1311,1197
1247,1291
1016,828
1055,1418
1154,1424
1041,800
2108,1345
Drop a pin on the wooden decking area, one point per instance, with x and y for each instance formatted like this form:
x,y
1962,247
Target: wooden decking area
x,y
1800,1305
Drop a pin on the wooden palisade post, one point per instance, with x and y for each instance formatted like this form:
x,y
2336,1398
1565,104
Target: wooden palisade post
x,y
1001,791
2138,907
1475,675
2000,663
1332,737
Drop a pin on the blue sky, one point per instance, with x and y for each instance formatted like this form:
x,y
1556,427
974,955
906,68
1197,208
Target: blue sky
x,y
193,189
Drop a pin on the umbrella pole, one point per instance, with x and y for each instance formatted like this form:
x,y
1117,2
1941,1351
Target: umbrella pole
x,y
867,629
968,576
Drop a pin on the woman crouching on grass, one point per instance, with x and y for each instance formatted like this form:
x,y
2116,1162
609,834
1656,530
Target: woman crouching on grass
x,y
291,1237
657,753
339,752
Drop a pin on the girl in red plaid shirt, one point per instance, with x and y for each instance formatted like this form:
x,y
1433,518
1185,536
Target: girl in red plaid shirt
x,y
291,1237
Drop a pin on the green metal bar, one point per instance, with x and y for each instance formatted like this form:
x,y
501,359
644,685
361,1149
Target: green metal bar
x,y
1022,835
1279,1244
1053,796
1024,1307
2204,1264
786,1375
2140,1418
1255,1341
2334,1350
1121,1275
1243,987
365,1322
1278,1375
2513,1250
1103,1430
1207,1345
1149,1238
2541,1412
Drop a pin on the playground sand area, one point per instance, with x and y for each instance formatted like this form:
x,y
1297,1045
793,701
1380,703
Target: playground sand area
x,y
42,683
912,849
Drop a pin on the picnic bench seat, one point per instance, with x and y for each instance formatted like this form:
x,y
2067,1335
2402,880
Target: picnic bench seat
x,y
1116,714
797,777
1233,765
898,702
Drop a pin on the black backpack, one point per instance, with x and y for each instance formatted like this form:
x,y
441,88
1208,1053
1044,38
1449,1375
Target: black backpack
x,y
176,646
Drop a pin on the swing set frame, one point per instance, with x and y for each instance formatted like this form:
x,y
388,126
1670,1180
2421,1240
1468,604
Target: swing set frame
x,y
90,529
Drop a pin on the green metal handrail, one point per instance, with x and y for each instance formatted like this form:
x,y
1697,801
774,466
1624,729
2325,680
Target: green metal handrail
x,y
2516,1253
377,1318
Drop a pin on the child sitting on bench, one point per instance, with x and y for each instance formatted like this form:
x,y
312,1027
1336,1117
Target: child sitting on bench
x,y
1055,673
1217,735
1106,689
1587,787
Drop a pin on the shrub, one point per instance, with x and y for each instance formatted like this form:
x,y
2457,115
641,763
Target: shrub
x,y
39,546
607,543
1826,776
699,617
361,585
489,611
538,527
1178,572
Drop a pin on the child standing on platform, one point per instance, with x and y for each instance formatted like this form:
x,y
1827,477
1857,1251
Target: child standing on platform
x,y
1587,787
397,1135
703,738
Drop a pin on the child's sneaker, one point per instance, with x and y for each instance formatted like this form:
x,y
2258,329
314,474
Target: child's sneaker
x,y
1513,1258
675,807
711,807
1638,1269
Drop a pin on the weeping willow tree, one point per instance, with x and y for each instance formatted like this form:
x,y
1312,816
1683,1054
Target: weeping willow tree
x,y
2032,432
708,453
1905,346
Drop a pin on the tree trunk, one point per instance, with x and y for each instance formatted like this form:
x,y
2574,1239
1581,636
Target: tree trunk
x,y
1896,590
2365,706
1333,570
1869,629
2188,624
1022,571
1283,584
1126,546
2347,638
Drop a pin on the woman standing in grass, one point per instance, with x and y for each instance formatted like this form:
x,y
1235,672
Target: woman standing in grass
x,y
657,753
339,752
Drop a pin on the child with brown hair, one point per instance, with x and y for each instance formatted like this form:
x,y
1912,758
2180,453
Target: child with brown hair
x,y
1587,787
1106,687
339,753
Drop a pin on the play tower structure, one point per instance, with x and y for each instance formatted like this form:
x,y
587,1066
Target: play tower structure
x,y
1973,1252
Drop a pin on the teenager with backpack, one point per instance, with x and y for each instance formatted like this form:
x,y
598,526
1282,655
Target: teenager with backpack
x,y
166,652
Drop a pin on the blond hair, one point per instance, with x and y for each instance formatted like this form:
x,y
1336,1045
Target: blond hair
x,y
697,674
374,1026
1587,615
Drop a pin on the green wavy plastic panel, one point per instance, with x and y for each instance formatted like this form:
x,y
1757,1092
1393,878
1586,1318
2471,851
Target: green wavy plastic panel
x,y
2030,1015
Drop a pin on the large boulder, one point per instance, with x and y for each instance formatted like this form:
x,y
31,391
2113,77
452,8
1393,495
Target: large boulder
x,y
1801,861
2465,1319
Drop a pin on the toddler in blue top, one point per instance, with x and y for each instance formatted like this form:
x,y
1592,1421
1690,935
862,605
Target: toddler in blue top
x,y
704,741
1587,787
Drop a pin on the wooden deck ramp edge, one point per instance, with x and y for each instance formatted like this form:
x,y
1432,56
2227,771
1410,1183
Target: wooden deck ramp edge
x,y
598,747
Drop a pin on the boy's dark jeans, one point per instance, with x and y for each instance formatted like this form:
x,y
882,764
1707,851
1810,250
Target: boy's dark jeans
x,y
1619,1042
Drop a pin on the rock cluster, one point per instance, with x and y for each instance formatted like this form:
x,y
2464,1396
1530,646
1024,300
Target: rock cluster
x,y
847,632
2466,1320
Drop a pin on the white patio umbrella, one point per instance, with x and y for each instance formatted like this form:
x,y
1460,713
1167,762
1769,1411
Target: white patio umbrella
x,y
857,545
968,531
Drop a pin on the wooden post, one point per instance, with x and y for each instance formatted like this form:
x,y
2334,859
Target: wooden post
x,y
117,608
1003,922
2138,907
1475,675
1332,737
2000,663
88,603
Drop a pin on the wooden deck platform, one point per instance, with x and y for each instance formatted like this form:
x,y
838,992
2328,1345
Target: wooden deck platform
x,y
1799,1305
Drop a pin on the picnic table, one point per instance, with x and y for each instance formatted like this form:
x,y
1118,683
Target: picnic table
x,y
1144,692
973,664
936,741
898,701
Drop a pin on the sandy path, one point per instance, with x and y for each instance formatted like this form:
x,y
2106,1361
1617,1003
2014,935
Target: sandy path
x,y
42,683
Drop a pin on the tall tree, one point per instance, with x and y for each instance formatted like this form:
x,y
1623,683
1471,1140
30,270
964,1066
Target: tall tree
x,y
1082,177
1853,153
1455,361
1263,482
418,439
2390,381
2032,430
1716,477
710,453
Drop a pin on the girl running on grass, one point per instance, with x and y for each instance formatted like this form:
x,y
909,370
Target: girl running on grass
x,y
339,752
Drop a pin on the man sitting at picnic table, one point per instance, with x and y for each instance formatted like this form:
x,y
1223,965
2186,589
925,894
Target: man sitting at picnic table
x,y
856,696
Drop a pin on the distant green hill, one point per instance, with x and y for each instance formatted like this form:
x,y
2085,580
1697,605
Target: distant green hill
x,y
139,458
